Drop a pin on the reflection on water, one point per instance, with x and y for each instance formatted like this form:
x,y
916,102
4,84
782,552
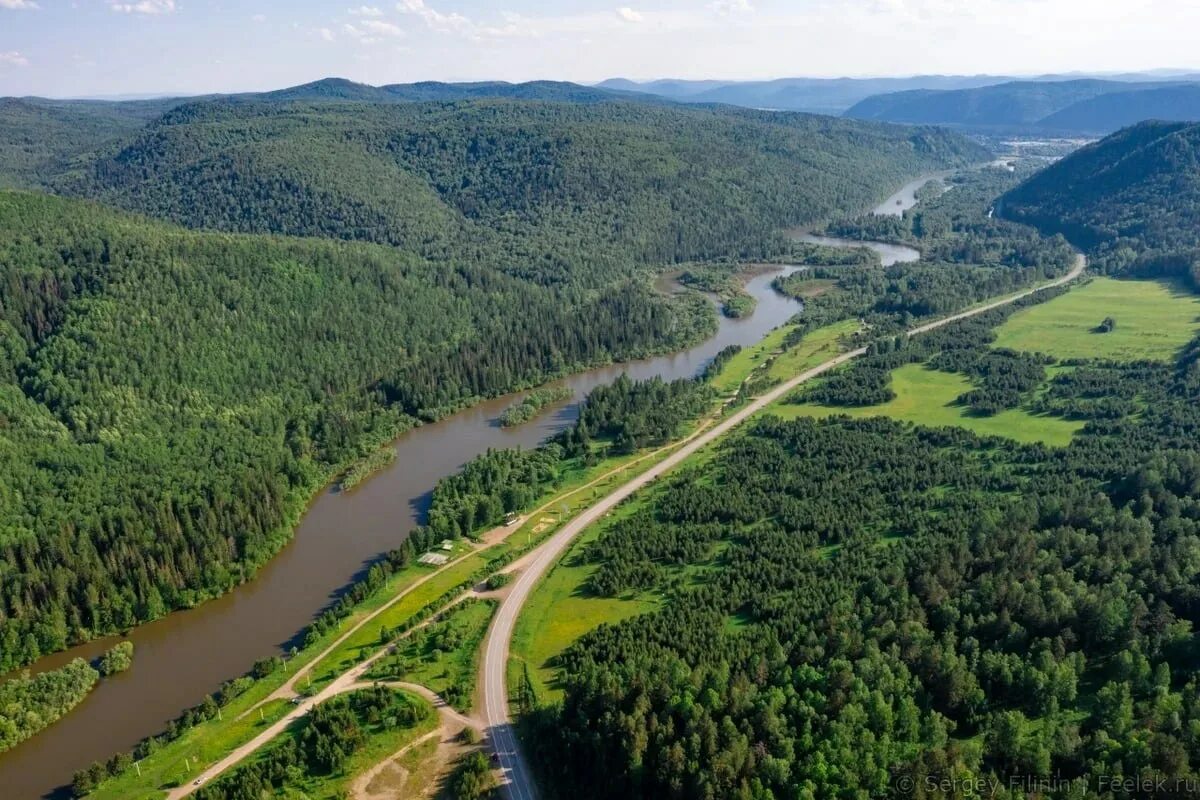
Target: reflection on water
x,y
889,254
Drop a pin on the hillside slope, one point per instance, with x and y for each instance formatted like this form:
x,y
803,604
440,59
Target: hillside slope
x,y
1110,112
1015,103
1078,107
1132,198
169,400
513,184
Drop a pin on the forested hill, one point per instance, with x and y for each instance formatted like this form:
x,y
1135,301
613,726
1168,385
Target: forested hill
x,y
516,185
1077,107
1133,199
169,400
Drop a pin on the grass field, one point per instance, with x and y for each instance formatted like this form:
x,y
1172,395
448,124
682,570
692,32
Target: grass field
x,y
444,655
558,612
738,368
927,397
818,346
1155,320
815,348
366,640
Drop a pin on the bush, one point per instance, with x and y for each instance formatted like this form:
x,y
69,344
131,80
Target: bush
x,y
499,580
117,658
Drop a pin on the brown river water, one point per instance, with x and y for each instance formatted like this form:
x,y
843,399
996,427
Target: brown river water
x,y
186,655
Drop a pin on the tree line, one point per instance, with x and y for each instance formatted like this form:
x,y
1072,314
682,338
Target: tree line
x,y
982,609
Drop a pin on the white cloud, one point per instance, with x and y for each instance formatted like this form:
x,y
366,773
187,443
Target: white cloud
x,y
629,15
259,18
14,59
453,22
366,11
729,7
19,5
145,7
326,34
382,28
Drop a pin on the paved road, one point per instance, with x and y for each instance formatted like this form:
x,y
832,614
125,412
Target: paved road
x,y
517,780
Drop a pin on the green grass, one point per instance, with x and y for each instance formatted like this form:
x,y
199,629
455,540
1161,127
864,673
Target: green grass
x,y
818,346
366,640
183,759
814,349
444,655
927,397
559,612
1155,320
738,368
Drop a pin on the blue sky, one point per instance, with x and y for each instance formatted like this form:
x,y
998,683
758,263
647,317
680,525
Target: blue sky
x,y
104,47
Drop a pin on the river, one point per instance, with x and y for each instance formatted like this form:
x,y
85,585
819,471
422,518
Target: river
x,y
906,197
182,657
186,655
889,254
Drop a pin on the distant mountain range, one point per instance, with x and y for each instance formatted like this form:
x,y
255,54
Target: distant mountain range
x,y
1049,105
817,95
836,95
1063,107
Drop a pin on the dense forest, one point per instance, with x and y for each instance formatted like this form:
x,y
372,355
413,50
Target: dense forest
x,y
1132,200
514,185
170,399
967,255
982,610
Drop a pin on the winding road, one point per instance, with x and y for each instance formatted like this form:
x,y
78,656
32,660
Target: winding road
x,y
517,781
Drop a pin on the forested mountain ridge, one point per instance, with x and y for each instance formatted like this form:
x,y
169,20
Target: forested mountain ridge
x,y
1075,107
1132,199
169,400
38,139
509,183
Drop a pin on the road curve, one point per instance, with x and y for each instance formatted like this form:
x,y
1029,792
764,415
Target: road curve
x,y
517,780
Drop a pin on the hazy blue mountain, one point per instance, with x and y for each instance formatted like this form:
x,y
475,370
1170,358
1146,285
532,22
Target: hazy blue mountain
x,y
1009,104
1077,107
1110,112
820,95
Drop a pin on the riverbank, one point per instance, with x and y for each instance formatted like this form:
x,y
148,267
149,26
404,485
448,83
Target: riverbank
x,y
188,654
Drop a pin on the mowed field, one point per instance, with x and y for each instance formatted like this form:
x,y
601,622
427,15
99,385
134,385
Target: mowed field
x,y
1155,320
928,397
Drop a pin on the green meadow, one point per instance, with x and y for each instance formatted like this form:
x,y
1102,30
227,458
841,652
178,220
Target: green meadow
x,y
1154,320
928,397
